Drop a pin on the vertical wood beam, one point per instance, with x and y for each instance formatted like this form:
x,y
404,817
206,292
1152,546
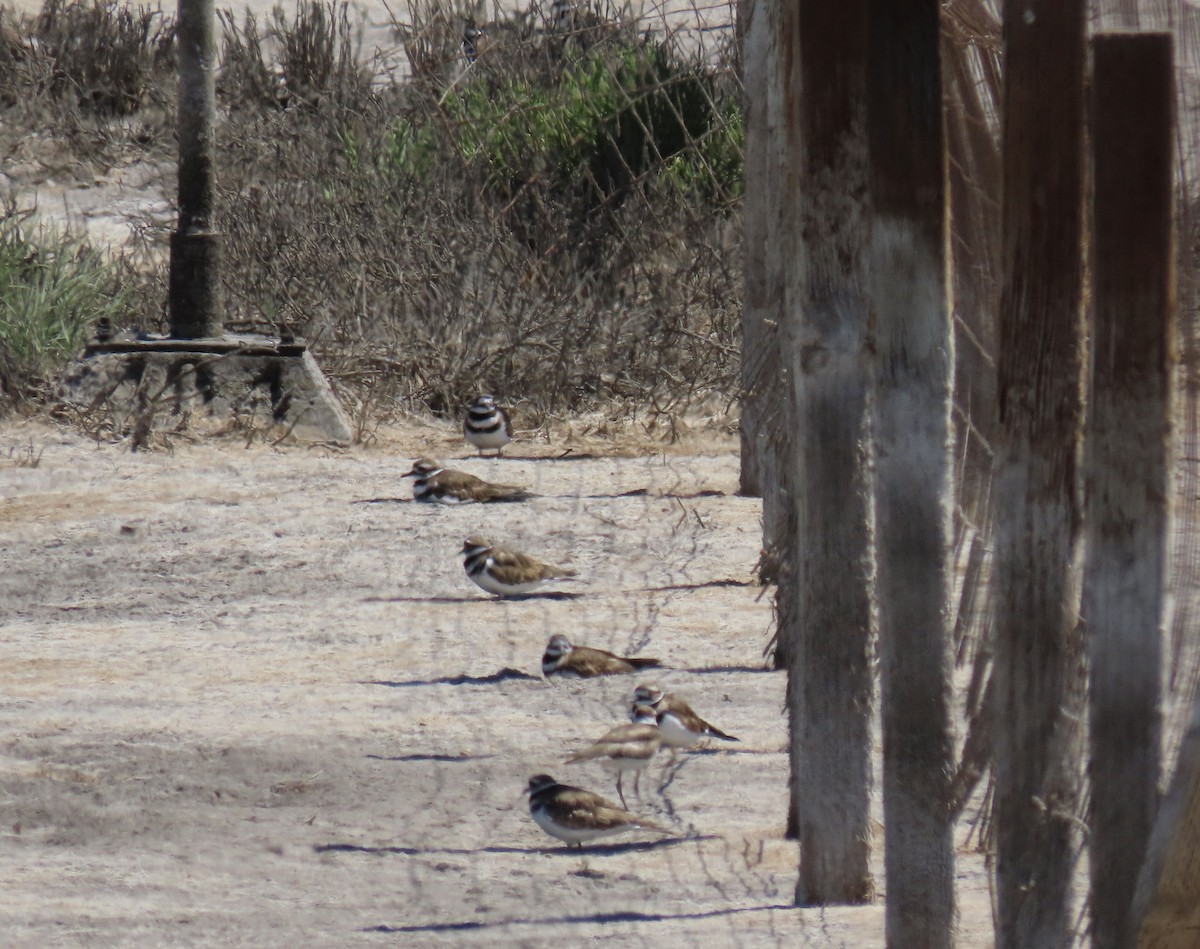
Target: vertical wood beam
x,y
1038,684
913,372
830,676
1127,456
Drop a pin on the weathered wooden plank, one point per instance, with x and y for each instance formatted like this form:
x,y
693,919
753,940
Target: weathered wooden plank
x,y
913,372
1127,457
821,52
1038,686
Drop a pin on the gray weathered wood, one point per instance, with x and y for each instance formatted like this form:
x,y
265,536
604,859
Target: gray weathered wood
x,y
823,133
914,360
1127,457
766,392
1166,905
1038,686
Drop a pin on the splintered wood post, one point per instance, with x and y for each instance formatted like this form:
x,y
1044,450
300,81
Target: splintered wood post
x,y
762,384
1038,686
1127,457
914,361
830,672
766,389
758,316
194,299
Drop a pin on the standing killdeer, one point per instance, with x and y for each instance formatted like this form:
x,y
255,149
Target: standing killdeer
x,y
584,661
576,816
507,572
680,726
487,426
447,486
473,39
626,747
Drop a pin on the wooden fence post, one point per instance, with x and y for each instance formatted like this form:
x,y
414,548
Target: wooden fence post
x,y
914,362
1038,681
1127,456
830,675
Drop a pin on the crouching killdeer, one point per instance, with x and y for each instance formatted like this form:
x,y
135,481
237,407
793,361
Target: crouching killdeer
x,y
679,725
626,748
576,816
487,426
561,657
507,572
446,486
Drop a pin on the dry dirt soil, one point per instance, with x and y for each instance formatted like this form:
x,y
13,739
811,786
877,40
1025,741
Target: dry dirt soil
x,y
249,697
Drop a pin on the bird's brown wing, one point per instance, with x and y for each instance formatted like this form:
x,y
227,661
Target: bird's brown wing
x,y
587,661
531,567
583,809
624,741
693,722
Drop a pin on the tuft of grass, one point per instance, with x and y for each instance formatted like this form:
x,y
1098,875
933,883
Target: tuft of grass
x,y
108,57
53,289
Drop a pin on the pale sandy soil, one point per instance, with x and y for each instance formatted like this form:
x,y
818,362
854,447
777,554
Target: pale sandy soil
x,y
240,707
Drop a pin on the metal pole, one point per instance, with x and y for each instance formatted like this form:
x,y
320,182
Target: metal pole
x,y
195,283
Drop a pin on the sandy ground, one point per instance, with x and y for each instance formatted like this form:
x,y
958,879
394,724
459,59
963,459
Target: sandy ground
x,y
241,704
244,703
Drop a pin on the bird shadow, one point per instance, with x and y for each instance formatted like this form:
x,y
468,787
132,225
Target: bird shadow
x,y
719,670
504,675
633,493
701,585
622,916
452,758
593,850
552,595
565,456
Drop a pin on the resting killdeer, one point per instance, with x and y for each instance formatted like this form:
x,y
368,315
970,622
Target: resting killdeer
x,y
583,661
576,816
507,572
487,426
680,726
447,486
626,747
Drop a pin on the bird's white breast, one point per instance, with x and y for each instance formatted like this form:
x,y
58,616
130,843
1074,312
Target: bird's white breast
x,y
674,734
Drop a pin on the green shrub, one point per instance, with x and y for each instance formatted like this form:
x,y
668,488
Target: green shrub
x,y
52,291
611,117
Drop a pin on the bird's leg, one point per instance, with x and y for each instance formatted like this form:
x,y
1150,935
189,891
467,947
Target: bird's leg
x,y
620,793
637,777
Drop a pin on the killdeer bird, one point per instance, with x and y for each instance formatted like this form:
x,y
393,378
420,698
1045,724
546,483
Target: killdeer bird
x,y
473,40
487,426
446,486
507,572
576,816
626,747
562,16
584,661
680,726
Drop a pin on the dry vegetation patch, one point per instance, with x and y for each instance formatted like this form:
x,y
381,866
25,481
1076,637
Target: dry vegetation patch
x,y
553,219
